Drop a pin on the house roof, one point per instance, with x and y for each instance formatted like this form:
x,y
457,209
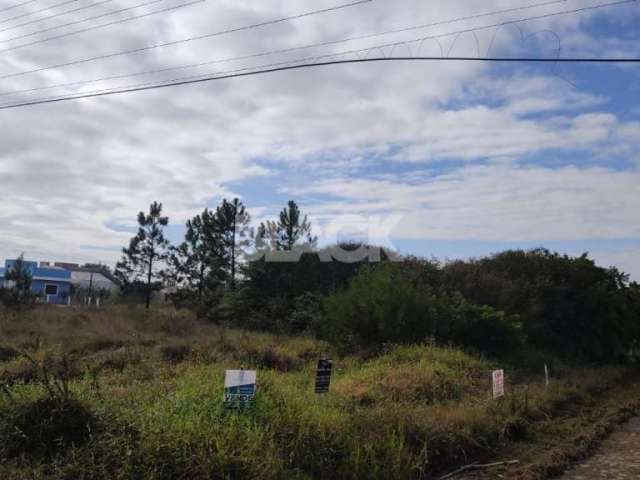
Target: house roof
x,y
50,273
41,273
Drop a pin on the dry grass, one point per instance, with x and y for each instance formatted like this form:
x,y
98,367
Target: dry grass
x,y
152,387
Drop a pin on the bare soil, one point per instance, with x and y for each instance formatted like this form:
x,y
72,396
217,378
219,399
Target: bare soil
x,y
617,459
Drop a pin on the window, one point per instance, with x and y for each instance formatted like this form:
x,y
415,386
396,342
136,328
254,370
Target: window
x,y
51,290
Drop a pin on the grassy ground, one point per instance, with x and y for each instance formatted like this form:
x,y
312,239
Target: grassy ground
x,y
119,394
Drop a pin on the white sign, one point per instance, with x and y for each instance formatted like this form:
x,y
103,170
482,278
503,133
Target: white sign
x,y
498,383
239,388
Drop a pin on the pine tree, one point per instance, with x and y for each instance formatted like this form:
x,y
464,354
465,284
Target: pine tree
x,y
148,249
232,221
291,230
195,263
20,278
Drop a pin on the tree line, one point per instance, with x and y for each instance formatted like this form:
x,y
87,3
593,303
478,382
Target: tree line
x,y
207,263
360,296
357,296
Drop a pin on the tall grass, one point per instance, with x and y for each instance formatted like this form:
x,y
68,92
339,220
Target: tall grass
x,y
151,386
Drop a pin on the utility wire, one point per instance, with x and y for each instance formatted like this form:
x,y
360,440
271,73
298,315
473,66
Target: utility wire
x,y
94,27
321,64
61,4
55,15
4,9
199,37
87,19
315,45
11,7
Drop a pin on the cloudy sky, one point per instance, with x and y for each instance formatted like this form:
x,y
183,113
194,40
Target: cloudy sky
x,y
445,159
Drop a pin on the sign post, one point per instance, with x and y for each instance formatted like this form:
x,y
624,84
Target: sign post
x,y
498,383
323,375
546,376
239,388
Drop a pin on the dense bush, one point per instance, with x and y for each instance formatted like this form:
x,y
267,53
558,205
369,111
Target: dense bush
x,y
16,300
566,304
44,427
393,304
553,302
278,295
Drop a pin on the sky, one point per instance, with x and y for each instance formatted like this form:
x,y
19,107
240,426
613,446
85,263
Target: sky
x,y
442,159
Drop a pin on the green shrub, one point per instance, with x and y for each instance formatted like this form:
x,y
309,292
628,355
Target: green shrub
x,y
306,314
174,352
8,353
566,304
116,360
392,305
44,427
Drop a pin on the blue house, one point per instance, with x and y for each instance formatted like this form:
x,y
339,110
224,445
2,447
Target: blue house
x,y
51,284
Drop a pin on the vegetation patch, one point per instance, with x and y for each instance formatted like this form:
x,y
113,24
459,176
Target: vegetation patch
x,y
45,427
8,353
174,352
405,411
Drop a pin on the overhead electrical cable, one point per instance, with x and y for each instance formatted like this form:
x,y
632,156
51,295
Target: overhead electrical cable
x,y
319,64
6,9
55,15
309,46
50,7
94,27
198,37
292,49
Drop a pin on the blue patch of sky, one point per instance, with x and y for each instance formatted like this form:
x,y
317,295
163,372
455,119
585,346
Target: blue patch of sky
x,y
584,158
263,191
118,227
175,233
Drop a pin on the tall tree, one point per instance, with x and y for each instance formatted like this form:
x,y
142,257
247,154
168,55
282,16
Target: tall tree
x,y
233,227
148,250
195,263
292,229
20,277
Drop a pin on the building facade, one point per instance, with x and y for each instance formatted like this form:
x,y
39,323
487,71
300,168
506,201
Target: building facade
x,y
51,284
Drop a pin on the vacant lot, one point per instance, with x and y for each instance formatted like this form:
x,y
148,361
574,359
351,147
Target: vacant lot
x,y
118,393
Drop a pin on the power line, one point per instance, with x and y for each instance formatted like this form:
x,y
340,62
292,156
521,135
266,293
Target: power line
x,y
4,9
320,64
87,19
94,27
55,15
320,44
210,35
61,4
177,42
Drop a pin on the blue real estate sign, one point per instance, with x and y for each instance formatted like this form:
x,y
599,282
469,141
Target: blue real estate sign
x,y
239,388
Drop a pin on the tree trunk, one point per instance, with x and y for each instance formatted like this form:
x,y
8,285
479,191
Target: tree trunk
x,y
200,282
233,250
148,299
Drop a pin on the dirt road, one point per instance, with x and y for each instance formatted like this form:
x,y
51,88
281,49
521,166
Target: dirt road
x,y
618,458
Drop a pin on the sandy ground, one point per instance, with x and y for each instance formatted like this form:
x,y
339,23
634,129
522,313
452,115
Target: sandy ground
x,y
617,459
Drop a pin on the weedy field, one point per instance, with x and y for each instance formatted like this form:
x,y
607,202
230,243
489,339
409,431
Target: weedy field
x,y
119,393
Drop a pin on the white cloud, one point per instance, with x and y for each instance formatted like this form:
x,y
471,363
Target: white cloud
x,y
496,202
69,170
627,259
